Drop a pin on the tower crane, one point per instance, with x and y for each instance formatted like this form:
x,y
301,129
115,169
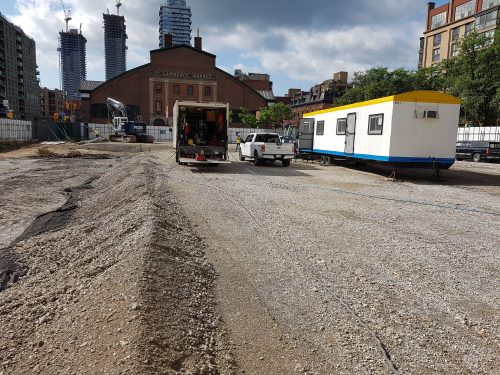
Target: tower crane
x,y
118,5
67,14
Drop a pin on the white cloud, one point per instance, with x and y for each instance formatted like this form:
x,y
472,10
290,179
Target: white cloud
x,y
305,52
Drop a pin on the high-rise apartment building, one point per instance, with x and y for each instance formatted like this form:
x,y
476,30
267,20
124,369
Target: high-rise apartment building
x,y
72,50
175,19
115,49
448,23
18,72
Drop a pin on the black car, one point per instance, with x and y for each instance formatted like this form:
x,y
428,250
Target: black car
x,y
478,150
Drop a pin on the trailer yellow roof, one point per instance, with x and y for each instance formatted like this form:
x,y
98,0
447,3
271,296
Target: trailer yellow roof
x,y
412,96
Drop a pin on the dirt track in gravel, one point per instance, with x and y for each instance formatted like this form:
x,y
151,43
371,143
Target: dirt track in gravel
x,y
122,288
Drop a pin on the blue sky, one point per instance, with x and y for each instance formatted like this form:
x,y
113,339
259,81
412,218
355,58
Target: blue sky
x,y
297,45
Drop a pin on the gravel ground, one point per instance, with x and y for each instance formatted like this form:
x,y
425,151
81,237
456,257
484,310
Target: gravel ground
x,y
350,273
123,288
166,269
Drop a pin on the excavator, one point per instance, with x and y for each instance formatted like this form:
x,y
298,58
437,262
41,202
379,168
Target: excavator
x,y
125,130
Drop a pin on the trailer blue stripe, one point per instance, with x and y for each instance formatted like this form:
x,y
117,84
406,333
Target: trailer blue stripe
x,y
389,159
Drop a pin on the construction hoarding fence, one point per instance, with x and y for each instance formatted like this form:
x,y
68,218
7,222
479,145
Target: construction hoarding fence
x,y
58,131
16,130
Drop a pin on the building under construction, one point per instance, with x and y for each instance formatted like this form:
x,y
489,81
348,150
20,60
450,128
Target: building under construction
x,y
115,49
72,50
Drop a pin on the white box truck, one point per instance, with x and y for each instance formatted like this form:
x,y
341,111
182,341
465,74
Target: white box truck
x,y
200,132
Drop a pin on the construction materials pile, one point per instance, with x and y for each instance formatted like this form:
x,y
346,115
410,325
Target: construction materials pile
x,y
123,287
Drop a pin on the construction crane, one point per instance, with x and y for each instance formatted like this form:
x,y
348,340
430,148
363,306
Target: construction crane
x,y
67,15
118,5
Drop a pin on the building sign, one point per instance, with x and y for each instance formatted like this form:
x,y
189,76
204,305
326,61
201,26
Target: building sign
x,y
181,75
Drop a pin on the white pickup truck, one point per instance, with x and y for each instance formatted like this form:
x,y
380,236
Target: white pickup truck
x,y
266,146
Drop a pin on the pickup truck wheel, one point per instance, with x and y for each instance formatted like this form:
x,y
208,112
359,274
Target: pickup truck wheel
x,y
476,157
256,159
242,158
285,162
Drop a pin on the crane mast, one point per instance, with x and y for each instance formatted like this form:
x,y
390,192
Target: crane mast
x,y
67,15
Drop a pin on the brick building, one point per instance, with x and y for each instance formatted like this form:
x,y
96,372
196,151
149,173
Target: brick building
x,y
260,82
174,73
51,101
319,97
446,24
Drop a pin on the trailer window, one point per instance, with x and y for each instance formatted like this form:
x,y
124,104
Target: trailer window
x,y
341,126
376,124
320,128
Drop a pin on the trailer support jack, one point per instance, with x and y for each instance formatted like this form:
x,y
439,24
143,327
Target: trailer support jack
x,y
436,174
394,176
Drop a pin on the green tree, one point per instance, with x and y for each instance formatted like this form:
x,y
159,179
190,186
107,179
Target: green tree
x,y
379,82
248,118
276,114
474,76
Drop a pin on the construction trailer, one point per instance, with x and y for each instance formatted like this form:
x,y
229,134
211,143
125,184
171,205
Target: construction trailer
x,y
417,129
200,132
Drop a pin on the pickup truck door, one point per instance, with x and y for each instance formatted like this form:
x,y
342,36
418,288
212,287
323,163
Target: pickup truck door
x,y
245,146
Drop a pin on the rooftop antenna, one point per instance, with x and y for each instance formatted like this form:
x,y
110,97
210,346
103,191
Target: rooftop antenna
x,y
118,5
198,32
80,28
67,14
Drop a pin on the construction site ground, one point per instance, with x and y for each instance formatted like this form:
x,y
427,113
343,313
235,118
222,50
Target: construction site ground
x,y
115,260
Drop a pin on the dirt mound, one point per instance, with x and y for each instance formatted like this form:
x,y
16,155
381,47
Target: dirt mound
x,y
124,288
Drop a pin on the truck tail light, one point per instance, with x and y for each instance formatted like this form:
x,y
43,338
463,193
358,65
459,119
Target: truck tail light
x,y
263,148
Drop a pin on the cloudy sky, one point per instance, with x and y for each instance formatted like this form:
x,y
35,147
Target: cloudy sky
x,y
297,43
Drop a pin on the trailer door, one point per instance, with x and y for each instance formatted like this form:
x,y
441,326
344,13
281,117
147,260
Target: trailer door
x,y
306,133
350,133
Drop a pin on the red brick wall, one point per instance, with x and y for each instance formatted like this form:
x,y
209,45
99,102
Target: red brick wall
x,y
258,85
438,10
237,94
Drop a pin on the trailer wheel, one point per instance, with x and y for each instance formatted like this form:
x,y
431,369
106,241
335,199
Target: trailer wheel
x,y
476,157
285,162
256,159
242,158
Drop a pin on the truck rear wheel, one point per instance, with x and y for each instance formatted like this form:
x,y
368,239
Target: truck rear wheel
x,y
285,162
476,157
256,159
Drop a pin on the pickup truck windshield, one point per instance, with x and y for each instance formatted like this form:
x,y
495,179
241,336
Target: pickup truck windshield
x,y
267,138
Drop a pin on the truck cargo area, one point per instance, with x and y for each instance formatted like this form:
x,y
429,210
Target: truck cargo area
x,y
201,132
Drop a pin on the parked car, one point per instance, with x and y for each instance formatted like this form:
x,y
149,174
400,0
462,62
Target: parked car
x,y
266,147
478,150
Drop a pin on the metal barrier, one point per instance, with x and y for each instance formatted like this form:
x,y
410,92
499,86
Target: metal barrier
x,y
479,133
58,131
245,131
160,133
17,130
